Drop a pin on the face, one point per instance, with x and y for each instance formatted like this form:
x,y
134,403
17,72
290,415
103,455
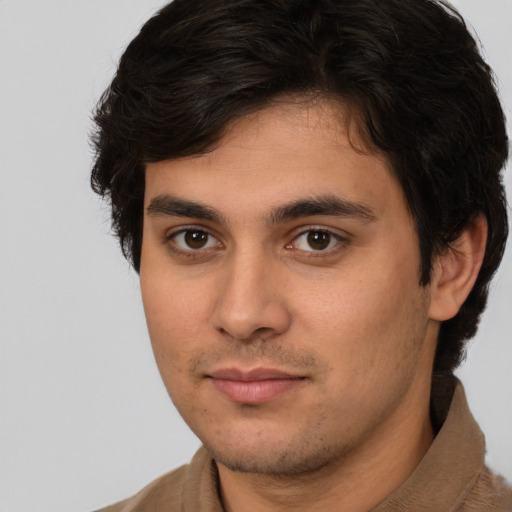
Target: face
x,y
280,281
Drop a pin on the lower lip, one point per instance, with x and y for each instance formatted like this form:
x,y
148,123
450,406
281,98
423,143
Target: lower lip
x,y
256,391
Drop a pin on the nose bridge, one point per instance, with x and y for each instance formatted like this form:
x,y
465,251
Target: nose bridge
x,y
249,299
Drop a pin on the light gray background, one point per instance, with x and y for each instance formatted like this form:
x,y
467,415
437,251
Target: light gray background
x,y
84,419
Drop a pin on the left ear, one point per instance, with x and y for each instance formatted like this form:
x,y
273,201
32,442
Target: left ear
x,y
456,269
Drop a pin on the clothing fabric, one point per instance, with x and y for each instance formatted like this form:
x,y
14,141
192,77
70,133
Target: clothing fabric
x,y
452,477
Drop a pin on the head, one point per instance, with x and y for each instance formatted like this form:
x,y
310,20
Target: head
x,y
410,74
402,81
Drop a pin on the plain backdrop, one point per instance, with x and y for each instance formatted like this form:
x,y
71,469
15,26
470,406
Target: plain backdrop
x,y
84,418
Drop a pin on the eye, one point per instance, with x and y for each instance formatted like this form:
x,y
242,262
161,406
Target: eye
x,y
193,240
316,240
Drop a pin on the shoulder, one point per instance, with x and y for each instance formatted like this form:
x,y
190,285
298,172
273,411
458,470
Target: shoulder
x,y
490,493
166,489
189,487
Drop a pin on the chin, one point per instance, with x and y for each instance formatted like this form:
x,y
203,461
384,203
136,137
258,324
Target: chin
x,y
272,460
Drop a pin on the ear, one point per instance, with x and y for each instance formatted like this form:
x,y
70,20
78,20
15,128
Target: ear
x,y
456,269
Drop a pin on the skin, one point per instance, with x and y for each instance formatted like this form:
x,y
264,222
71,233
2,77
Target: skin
x,y
237,284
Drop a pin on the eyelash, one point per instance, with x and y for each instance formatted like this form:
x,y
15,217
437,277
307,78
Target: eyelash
x,y
201,252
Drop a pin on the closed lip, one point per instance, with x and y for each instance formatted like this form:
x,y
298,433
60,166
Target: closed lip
x,y
253,375
255,386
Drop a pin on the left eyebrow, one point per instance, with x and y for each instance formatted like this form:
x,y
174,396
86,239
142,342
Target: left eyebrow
x,y
323,205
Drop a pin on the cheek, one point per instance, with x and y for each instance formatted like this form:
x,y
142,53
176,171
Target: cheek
x,y
176,316
361,323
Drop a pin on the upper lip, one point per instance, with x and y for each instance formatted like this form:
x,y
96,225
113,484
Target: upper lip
x,y
255,374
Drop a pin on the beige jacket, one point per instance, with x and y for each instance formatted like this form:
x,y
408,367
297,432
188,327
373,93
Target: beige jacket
x,y
452,477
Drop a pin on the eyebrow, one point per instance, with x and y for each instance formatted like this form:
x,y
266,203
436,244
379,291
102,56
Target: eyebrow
x,y
323,205
166,205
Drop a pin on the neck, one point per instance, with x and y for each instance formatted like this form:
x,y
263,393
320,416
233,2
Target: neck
x,y
357,483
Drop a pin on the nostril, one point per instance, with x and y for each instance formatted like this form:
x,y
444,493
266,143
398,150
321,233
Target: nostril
x,y
261,334
265,333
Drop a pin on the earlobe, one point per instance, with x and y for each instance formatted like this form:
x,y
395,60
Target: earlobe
x,y
455,271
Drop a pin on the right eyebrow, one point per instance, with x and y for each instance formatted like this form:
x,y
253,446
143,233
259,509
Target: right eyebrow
x,y
166,205
329,205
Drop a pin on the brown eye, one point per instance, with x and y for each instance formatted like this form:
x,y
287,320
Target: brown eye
x,y
318,240
196,239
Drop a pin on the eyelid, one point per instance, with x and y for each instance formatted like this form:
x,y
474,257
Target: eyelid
x,y
170,232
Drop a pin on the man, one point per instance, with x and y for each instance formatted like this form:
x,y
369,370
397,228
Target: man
x,y
311,193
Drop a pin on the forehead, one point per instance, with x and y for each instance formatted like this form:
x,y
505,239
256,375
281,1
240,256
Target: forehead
x,y
286,151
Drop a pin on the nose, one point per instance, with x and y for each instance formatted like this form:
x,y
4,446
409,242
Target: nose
x,y
251,303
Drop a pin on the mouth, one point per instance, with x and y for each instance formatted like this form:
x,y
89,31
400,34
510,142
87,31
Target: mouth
x,y
255,386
